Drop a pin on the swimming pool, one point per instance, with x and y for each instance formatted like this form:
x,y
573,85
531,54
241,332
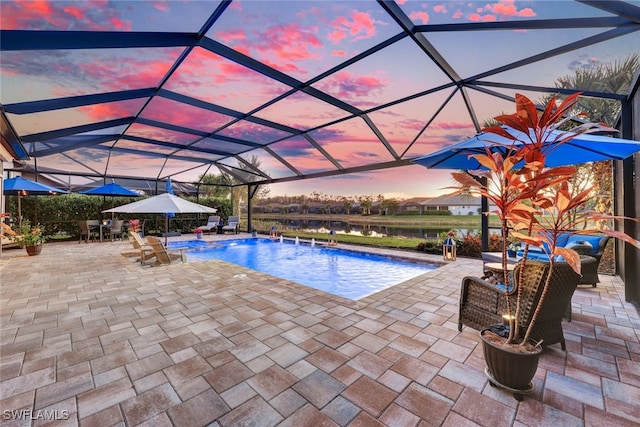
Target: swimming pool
x,y
341,272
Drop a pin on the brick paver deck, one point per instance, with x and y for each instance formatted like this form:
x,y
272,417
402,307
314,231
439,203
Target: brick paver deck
x,y
95,339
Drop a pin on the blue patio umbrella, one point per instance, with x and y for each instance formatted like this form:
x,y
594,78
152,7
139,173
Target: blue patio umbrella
x,y
113,189
19,186
583,148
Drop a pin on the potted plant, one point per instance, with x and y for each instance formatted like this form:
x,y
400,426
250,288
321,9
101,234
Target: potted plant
x,y
31,237
535,206
198,233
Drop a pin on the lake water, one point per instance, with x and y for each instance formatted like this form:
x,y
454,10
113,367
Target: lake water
x,y
341,227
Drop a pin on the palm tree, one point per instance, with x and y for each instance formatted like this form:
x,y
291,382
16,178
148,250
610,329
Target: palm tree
x,y
230,185
213,185
615,77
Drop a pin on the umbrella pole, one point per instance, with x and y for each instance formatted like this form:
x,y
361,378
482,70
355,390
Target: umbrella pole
x,y
19,212
166,230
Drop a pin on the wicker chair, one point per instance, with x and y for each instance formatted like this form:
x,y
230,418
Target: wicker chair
x,y
482,304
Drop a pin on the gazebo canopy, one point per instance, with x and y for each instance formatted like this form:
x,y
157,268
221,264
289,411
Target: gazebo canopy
x,y
281,90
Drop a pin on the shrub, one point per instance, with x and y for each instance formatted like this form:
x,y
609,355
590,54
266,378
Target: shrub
x,y
470,246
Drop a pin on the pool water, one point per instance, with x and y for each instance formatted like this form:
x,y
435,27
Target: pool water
x,y
341,272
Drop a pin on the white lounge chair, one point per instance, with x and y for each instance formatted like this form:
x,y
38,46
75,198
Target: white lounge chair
x,y
212,223
232,224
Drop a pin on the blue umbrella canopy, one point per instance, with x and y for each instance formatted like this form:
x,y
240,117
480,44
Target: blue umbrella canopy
x,y
112,189
21,186
583,148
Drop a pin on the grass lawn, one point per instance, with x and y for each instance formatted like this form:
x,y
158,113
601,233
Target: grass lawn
x,y
262,222
422,221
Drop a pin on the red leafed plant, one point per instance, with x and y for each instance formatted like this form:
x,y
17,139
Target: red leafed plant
x,y
533,202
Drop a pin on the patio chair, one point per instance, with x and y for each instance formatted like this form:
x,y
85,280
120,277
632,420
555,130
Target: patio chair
x,y
116,229
232,224
7,235
162,254
482,303
212,224
143,251
87,232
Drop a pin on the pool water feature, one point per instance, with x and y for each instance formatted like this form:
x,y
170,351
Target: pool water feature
x,y
349,274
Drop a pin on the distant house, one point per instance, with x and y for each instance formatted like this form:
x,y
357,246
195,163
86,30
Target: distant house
x,y
294,208
315,208
412,206
457,205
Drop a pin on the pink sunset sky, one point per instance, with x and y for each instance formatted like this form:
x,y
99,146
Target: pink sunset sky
x,y
302,40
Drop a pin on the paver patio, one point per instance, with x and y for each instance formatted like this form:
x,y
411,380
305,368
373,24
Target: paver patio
x,y
92,337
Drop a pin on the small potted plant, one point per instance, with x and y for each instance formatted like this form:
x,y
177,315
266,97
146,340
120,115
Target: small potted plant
x,y
31,237
198,233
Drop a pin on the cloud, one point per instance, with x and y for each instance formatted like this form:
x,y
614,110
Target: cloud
x,y
584,62
411,124
203,65
53,15
499,11
249,131
338,53
358,25
296,147
112,110
169,111
350,86
337,36
527,13
325,135
503,7
281,46
420,15
288,42
451,125
474,17
161,5
229,36
440,8
139,71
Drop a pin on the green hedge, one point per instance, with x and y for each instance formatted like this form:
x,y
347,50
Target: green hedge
x,y
60,214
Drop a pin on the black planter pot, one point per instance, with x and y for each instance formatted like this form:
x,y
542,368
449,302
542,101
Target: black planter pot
x,y
511,370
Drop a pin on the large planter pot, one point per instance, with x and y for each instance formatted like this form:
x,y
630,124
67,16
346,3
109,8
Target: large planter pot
x,y
33,250
509,369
